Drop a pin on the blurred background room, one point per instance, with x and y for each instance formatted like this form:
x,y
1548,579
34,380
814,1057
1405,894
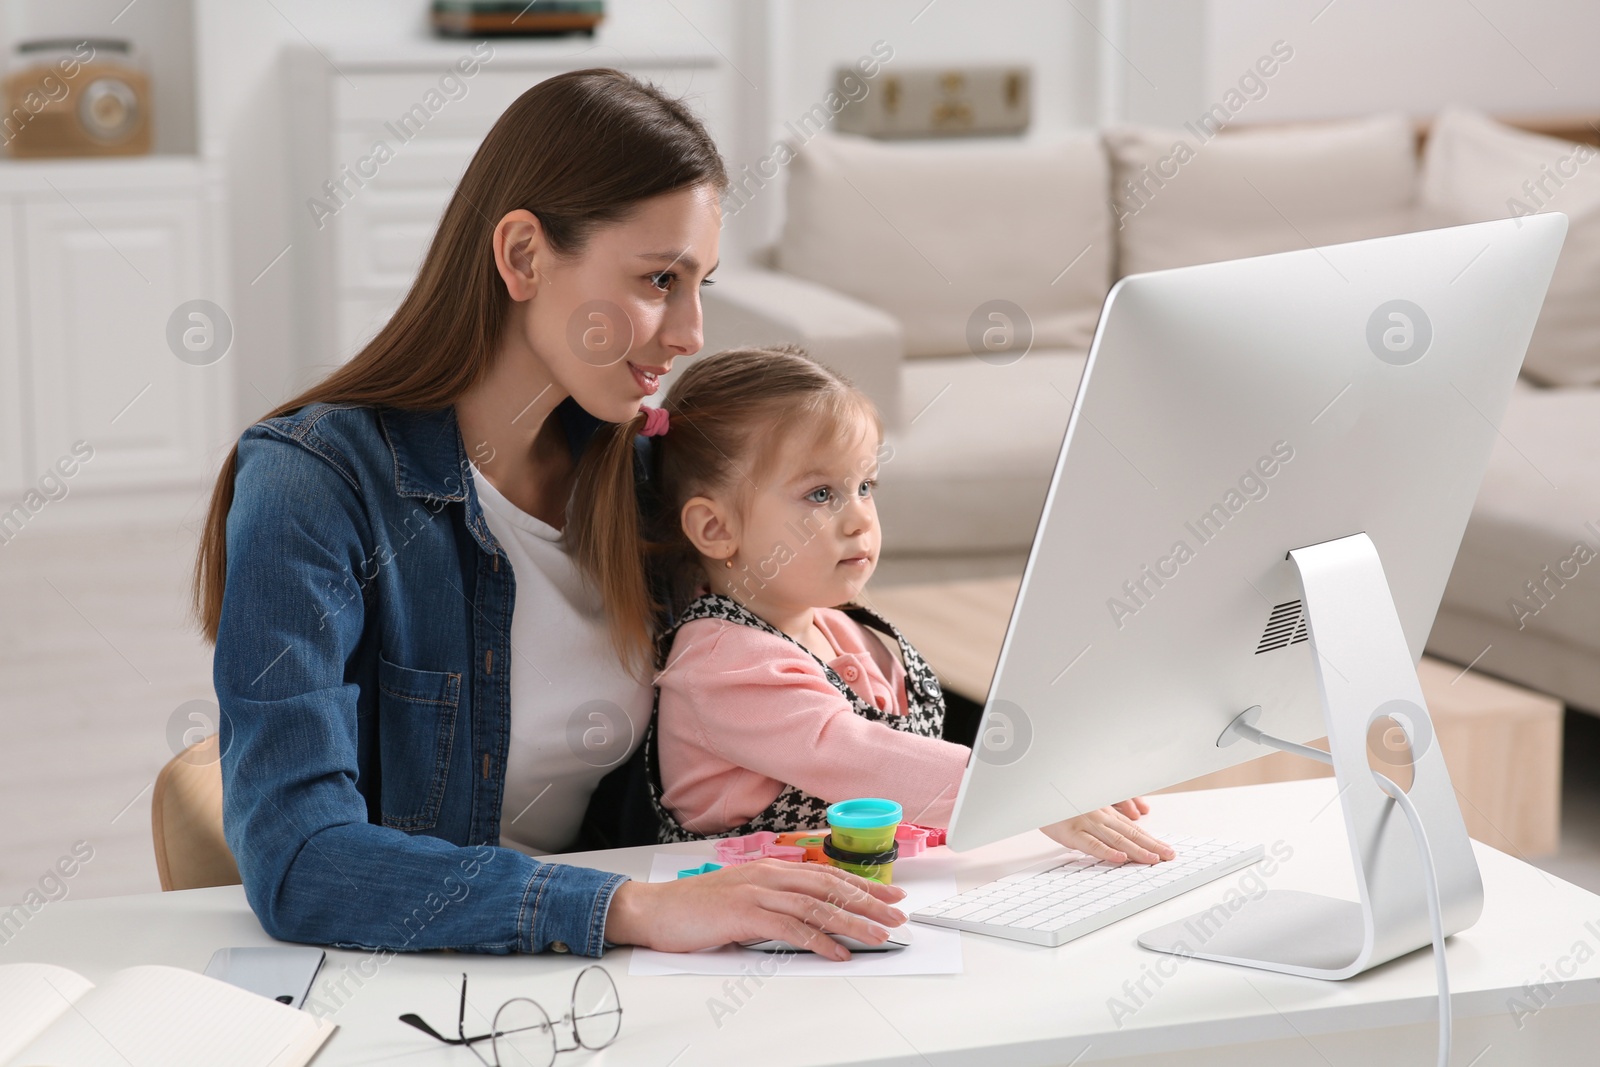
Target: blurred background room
x,y
205,206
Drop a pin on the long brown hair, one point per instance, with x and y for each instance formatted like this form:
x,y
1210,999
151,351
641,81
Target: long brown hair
x,y
726,415
579,150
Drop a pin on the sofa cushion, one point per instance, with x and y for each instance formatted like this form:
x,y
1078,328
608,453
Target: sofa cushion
x,y
970,470
931,232
1529,566
1475,169
1180,199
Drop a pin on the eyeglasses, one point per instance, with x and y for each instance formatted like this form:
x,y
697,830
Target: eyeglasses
x,y
522,1034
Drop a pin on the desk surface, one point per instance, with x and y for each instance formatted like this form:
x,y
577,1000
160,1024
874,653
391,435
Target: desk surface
x,y
1015,1003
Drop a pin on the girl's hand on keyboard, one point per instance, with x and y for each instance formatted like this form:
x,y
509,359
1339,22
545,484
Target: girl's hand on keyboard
x,y
1133,808
1108,834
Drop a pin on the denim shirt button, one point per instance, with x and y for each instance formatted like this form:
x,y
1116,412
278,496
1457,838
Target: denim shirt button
x,y
559,946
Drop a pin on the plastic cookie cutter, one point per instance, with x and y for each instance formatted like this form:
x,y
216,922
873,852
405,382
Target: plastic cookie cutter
x,y
810,840
913,839
733,851
704,868
910,840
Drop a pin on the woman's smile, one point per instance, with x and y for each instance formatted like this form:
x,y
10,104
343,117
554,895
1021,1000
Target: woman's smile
x,y
648,378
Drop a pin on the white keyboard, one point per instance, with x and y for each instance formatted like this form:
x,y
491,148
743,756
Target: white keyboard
x,y
1055,901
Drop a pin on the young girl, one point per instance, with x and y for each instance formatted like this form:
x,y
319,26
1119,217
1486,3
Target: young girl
x,y
772,702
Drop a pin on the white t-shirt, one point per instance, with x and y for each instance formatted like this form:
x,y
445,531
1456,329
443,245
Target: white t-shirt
x,y
575,713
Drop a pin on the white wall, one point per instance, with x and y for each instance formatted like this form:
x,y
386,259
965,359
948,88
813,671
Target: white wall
x,y
1155,58
1363,56
1171,60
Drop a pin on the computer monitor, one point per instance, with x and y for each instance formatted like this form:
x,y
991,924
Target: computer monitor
x,y
1256,506
1230,414
1250,525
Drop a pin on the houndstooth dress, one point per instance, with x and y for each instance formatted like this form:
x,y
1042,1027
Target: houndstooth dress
x,y
795,809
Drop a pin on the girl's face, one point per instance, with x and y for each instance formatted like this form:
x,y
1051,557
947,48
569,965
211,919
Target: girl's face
x,y
608,323
808,535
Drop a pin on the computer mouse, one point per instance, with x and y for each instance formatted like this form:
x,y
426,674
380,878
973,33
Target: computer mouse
x,y
899,938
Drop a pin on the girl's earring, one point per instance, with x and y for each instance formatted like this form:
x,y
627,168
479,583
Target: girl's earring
x,y
728,562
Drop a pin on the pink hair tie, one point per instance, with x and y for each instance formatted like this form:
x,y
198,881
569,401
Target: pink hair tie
x,y
655,421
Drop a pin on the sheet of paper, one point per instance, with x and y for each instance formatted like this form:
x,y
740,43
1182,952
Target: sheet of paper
x,y
933,949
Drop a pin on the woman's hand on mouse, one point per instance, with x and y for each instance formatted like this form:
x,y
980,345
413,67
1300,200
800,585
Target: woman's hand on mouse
x,y
1110,834
766,899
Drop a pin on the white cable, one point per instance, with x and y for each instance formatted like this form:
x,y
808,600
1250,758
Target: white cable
x,y
1431,881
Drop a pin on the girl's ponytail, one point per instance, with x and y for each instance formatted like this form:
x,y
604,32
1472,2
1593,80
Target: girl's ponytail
x,y
603,537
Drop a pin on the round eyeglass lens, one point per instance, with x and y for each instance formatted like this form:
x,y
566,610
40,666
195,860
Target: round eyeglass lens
x,y
596,1011
523,1036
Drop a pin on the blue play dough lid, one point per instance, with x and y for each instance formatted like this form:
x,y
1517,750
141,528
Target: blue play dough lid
x,y
864,813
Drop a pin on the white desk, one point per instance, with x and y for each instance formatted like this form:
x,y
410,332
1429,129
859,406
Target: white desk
x,y
1014,1004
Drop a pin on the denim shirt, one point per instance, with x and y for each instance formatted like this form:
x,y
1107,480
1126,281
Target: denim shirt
x,y
362,667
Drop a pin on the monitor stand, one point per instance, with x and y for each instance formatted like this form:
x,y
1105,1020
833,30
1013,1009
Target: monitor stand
x,y
1369,687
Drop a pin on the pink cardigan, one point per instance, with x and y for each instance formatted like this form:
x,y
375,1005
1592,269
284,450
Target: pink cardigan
x,y
743,711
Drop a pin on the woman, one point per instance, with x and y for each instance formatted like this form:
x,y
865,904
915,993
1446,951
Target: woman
x,y
411,675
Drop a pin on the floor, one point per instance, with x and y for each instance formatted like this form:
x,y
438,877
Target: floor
x,y
99,665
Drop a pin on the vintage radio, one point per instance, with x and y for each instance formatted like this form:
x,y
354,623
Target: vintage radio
x,y
86,97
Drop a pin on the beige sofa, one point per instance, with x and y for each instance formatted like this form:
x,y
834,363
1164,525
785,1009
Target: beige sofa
x,y
959,285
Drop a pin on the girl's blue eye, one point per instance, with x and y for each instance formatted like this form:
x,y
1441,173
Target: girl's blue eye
x,y
824,490
867,485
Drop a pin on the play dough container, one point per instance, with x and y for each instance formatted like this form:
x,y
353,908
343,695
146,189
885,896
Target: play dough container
x,y
865,825
879,866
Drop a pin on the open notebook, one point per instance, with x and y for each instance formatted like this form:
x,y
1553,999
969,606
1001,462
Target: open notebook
x,y
146,1017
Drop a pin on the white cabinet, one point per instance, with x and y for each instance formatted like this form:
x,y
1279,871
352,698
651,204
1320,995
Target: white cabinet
x,y
103,278
354,265
97,257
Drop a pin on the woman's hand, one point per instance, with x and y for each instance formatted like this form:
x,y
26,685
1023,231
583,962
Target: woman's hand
x,y
1110,834
767,898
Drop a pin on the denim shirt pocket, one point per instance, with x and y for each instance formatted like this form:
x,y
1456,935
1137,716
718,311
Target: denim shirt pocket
x,y
416,732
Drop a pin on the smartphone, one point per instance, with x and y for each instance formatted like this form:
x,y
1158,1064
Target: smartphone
x,y
280,972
